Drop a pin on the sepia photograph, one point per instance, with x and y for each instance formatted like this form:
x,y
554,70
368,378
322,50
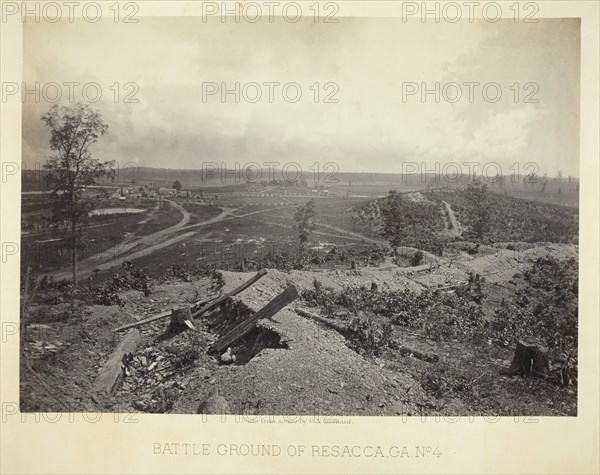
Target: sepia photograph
x,y
269,213
241,229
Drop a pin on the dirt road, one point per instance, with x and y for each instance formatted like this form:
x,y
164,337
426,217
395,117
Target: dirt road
x,y
147,245
453,226
355,235
112,256
319,233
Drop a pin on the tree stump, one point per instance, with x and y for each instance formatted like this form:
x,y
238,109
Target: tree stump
x,y
178,318
529,360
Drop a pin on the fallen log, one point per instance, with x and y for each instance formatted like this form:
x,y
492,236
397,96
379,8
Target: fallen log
x,y
235,291
343,329
166,314
111,374
450,286
282,300
428,357
346,331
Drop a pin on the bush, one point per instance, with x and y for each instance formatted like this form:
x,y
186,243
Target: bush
x,y
440,316
370,336
132,278
546,310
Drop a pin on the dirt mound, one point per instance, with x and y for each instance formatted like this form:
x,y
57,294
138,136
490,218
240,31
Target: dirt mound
x,y
313,372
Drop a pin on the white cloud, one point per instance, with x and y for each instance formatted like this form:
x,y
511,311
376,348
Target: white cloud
x,y
370,128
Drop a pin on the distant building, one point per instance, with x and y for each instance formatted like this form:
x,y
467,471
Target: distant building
x,y
167,191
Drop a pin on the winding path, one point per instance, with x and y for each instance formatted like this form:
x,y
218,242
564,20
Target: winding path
x,y
454,226
116,255
110,257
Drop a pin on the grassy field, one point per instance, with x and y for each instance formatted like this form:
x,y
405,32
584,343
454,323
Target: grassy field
x,y
46,252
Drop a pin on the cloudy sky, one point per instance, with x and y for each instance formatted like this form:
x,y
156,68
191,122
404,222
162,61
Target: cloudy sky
x,y
370,127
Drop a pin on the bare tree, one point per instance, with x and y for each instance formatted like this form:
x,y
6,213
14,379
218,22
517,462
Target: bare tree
x,y
73,129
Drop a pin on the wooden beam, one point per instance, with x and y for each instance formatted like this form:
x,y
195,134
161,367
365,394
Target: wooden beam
x,y
282,300
166,314
235,291
111,374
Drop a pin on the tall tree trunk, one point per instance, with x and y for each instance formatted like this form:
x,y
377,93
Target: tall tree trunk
x,y
74,252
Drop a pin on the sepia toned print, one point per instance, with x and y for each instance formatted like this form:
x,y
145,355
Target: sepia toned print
x,y
316,218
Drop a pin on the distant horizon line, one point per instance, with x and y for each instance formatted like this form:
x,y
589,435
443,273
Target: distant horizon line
x,y
424,173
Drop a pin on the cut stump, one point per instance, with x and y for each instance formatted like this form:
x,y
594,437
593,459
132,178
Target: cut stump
x,y
180,321
529,359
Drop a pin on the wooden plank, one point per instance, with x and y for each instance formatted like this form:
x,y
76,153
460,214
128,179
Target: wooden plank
x,y
144,322
282,300
166,314
235,291
111,374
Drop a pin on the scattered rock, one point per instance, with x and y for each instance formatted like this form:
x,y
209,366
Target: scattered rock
x,y
227,357
214,404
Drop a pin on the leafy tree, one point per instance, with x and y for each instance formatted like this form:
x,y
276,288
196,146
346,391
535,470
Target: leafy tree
x,y
177,185
393,223
73,129
478,204
305,220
